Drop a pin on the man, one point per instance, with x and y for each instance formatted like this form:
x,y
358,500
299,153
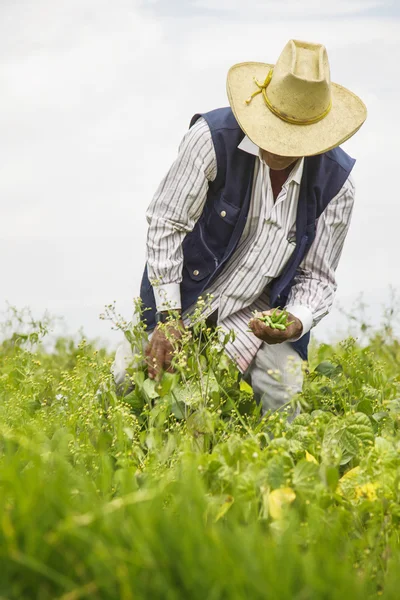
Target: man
x,y
255,211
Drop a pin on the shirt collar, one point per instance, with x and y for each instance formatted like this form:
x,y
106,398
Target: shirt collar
x,y
248,146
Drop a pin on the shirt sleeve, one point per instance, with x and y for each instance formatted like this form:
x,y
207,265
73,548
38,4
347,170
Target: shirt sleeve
x,y
313,292
174,211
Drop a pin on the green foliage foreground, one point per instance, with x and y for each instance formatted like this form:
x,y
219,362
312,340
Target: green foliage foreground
x,y
181,489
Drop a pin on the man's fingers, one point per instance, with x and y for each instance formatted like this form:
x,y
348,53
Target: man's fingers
x,y
260,328
151,366
147,351
168,360
256,326
149,358
155,360
168,363
160,358
268,334
160,351
272,335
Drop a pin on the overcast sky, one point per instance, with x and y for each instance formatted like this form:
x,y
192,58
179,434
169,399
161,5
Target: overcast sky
x,y
95,96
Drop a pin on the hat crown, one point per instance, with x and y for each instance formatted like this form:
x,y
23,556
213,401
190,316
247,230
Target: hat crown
x,y
301,85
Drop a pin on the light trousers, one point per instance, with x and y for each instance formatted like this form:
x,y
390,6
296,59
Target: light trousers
x,y
275,374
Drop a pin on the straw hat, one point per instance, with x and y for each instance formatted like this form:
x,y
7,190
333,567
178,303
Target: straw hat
x,y
292,108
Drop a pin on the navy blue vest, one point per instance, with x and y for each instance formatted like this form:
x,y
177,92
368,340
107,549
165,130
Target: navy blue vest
x,y
213,240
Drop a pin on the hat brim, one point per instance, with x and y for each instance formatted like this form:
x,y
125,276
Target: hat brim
x,y
271,133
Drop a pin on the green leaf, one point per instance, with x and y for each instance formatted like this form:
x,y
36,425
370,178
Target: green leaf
x,y
305,476
365,407
211,384
138,377
295,446
203,362
215,397
394,406
188,394
197,364
302,420
322,416
349,443
379,416
245,387
224,508
150,389
330,476
328,369
177,407
386,451
200,421
360,426
135,401
276,472
168,382
224,363
370,392
346,437
178,410
129,432
332,449
227,405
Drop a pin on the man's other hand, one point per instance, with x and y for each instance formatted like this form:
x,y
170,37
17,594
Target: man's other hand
x,y
276,336
160,351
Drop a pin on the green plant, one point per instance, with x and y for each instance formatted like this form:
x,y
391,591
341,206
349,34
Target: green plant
x,y
275,320
181,490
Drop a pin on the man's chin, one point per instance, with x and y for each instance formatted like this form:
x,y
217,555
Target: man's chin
x,y
280,167
278,163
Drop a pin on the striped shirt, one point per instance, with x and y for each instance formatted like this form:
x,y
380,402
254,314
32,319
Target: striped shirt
x,y
265,246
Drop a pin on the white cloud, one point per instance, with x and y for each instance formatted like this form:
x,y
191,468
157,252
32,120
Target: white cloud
x,y
292,8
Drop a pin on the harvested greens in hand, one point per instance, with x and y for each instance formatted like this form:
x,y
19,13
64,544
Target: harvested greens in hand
x,y
275,320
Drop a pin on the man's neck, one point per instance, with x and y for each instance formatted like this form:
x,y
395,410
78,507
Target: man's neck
x,y
278,178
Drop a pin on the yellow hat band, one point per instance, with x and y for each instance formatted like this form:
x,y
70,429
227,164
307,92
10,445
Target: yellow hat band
x,y
262,88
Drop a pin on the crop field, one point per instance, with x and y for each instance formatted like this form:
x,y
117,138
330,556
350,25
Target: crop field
x,y
181,489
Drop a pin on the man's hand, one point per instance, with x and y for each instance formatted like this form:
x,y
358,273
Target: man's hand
x,y
160,351
276,336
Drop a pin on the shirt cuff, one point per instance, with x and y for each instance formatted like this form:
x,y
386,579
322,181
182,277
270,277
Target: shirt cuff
x,y
167,296
304,314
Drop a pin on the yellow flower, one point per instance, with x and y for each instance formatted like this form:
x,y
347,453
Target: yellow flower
x,y
367,491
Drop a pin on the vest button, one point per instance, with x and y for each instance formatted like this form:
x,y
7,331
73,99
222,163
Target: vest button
x,y
223,213
196,272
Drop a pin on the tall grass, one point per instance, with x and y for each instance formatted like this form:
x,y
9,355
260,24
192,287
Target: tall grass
x,y
181,490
